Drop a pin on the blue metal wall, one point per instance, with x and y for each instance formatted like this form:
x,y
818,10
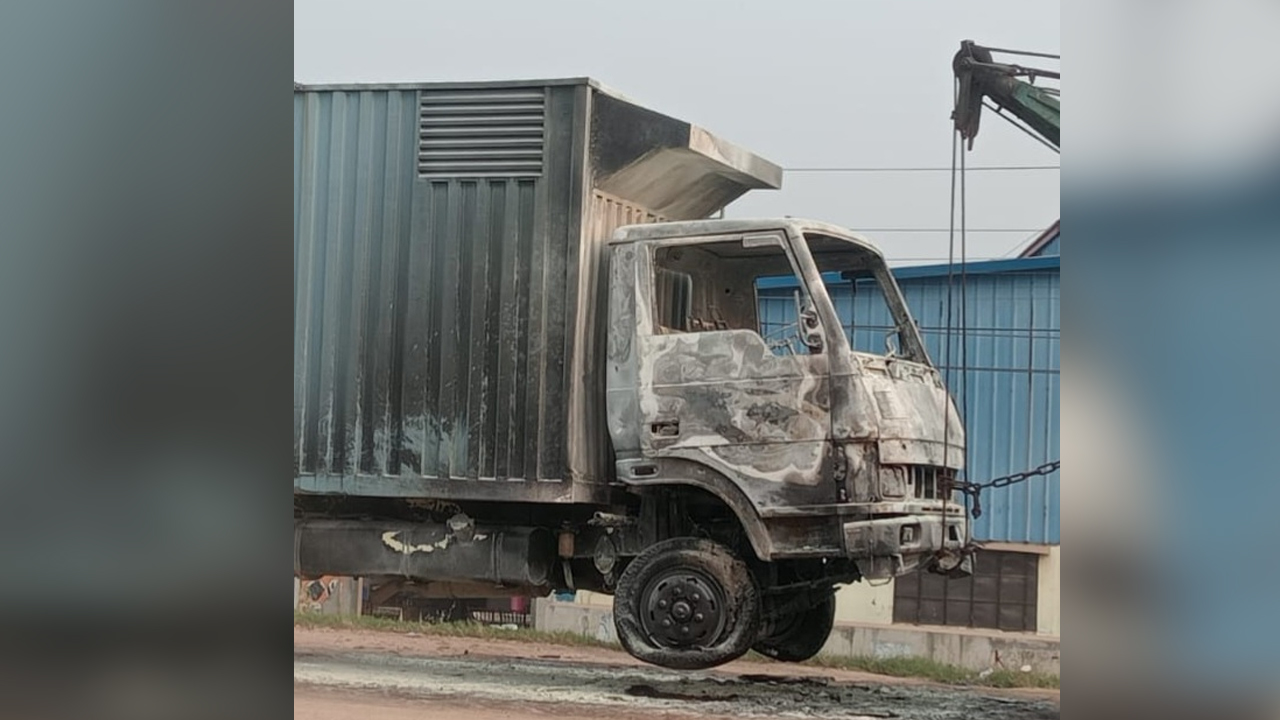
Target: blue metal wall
x,y
1010,393
1053,247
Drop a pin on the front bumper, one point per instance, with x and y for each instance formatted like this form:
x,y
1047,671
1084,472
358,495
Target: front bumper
x,y
892,546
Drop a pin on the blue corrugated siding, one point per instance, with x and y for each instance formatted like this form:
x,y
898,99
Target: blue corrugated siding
x,y
1053,247
1013,328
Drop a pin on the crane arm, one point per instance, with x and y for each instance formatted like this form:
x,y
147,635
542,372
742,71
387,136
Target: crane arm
x,y
980,77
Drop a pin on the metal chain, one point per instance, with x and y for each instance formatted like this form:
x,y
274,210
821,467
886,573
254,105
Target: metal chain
x,y
974,490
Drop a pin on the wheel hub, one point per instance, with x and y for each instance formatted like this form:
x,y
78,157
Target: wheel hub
x,y
683,609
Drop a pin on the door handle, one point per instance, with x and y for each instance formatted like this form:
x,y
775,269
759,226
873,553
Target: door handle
x,y
665,428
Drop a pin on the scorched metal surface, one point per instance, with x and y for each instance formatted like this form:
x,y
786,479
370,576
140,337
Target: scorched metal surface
x,y
449,306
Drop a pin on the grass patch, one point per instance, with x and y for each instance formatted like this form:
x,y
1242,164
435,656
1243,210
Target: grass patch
x,y
914,667
1016,679
446,629
925,668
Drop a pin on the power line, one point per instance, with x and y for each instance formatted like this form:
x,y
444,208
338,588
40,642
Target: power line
x,y
1023,244
922,169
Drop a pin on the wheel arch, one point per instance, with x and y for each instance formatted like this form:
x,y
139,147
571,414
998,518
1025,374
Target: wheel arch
x,y
684,474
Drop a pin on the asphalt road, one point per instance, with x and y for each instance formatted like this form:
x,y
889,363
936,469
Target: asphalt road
x,y
370,675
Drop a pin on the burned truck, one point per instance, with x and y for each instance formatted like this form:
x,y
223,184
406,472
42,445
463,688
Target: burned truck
x,y
529,359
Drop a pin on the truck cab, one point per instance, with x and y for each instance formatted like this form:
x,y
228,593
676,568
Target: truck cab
x,y
834,462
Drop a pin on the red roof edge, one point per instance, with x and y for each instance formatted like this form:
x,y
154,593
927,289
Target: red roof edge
x,y
1043,239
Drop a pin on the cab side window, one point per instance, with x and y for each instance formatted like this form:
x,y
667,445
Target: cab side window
x,y
713,286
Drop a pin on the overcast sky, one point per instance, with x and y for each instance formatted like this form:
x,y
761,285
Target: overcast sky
x,y
804,84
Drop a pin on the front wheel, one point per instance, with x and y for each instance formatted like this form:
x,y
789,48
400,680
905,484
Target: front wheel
x,y
687,604
798,636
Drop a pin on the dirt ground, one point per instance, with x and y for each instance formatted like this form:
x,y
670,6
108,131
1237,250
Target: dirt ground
x,y
374,675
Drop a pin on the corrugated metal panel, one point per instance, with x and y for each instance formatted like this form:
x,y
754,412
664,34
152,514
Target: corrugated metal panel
x,y
1012,384
350,249
426,339
448,250
473,388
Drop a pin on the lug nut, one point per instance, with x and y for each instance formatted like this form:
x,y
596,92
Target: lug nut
x,y
666,622
662,603
685,630
698,617
696,597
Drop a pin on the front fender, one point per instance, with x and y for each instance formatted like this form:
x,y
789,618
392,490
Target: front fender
x,y
654,472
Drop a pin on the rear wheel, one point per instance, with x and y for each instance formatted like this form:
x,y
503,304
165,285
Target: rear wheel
x,y
687,604
798,636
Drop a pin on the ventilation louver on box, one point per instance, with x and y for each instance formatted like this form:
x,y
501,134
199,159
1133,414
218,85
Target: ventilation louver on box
x,y
481,133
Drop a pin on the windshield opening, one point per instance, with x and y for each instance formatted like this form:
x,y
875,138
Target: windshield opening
x,y
865,297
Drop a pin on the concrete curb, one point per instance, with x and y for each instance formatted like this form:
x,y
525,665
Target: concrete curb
x,y
964,648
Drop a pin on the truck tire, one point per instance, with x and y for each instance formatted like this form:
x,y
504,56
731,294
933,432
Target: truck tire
x,y
798,636
687,604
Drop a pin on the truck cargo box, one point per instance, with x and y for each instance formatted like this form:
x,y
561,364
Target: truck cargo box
x,y
449,306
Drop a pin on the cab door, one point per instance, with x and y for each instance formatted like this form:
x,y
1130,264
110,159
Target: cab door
x,y
712,389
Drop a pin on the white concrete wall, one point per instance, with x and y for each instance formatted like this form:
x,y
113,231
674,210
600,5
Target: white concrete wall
x,y
587,619
1049,593
976,650
584,597
863,602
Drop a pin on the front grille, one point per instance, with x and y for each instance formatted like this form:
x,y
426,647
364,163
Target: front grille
x,y
928,483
